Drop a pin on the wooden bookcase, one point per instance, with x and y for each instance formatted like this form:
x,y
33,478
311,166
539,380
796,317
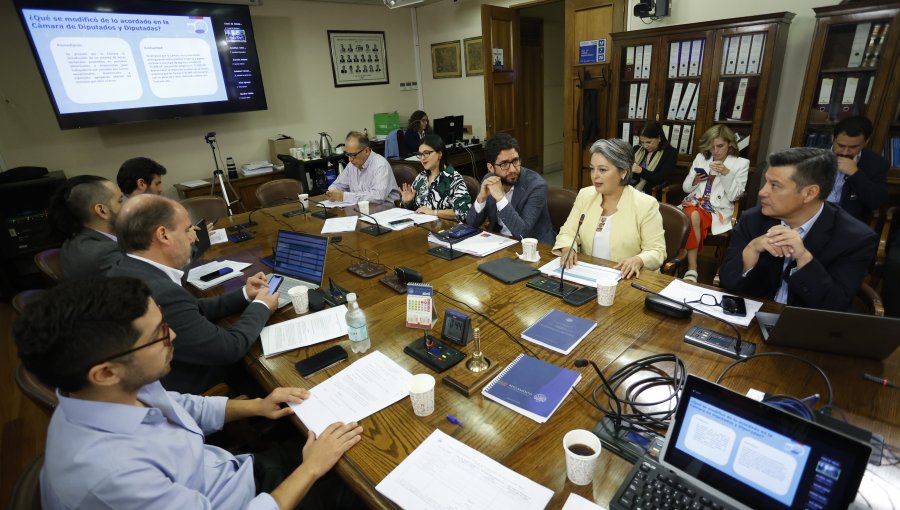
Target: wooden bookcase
x,y
715,63
853,70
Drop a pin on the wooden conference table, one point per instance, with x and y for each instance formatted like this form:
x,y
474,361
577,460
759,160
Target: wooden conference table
x,y
626,332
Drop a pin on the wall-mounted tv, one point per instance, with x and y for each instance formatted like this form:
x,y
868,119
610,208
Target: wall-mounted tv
x,y
119,61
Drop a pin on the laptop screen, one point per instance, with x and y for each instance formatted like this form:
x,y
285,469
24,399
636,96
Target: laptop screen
x,y
761,456
301,256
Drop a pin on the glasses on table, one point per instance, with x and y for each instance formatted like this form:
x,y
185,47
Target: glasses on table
x,y
166,338
705,299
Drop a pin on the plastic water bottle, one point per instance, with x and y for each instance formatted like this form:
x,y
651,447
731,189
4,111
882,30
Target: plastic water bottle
x,y
357,329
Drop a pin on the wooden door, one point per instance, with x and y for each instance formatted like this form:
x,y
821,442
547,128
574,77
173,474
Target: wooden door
x,y
500,31
531,88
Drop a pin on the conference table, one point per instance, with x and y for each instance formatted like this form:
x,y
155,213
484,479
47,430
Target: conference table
x,y
626,332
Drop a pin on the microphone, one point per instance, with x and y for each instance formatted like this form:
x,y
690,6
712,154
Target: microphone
x,y
442,251
323,214
581,363
372,231
562,273
548,285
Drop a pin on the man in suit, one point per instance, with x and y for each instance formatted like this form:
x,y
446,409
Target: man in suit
x,y
795,247
84,209
513,198
140,175
156,234
860,185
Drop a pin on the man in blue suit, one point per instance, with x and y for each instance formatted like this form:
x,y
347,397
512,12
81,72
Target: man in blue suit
x,y
512,197
860,185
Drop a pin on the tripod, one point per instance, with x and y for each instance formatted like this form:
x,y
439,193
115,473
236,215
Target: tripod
x,y
218,174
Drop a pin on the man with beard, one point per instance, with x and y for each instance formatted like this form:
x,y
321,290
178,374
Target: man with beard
x,y
512,197
140,175
156,234
860,185
118,439
84,209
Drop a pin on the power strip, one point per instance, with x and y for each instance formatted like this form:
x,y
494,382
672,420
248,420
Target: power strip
x,y
718,343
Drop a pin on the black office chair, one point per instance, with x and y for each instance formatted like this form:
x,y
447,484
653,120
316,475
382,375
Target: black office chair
x,y
294,169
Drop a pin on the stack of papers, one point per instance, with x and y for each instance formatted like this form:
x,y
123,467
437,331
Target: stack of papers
x,y
582,272
342,224
218,236
195,273
685,292
398,214
256,168
195,183
479,245
331,204
304,331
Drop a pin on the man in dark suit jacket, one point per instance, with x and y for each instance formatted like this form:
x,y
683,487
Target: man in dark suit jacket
x,y
156,234
794,247
85,210
513,198
860,185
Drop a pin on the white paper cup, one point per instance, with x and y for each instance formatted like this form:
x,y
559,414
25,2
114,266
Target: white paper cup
x,y
421,393
363,206
300,298
529,248
606,290
581,463
304,199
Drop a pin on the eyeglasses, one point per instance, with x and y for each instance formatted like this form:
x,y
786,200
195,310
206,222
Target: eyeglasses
x,y
353,155
424,154
705,299
166,339
504,165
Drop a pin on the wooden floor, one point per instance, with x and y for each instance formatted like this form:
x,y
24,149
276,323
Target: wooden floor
x,y
23,426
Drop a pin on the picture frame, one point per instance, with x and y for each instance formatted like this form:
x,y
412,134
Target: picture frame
x,y
474,49
358,58
446,60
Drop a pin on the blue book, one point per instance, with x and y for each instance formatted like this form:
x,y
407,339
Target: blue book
x,y
559,331
532,387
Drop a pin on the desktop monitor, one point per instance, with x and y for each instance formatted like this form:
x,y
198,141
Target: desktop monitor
x,y
449,128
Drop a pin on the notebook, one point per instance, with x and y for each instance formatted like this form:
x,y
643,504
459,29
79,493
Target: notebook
x,y
850,334
740,453
508,270
532,387
559,331
300,259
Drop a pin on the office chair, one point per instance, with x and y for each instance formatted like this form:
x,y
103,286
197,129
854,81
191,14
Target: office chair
x,y
206,207
48,262
559,202
677,227
279,191
405,171
26,495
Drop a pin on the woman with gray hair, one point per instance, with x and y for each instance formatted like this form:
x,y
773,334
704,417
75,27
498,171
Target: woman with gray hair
x,y
620,223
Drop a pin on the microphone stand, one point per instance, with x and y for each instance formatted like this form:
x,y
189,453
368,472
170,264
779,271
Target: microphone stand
x,y
372,231
442,252
548,285
218,174
323,214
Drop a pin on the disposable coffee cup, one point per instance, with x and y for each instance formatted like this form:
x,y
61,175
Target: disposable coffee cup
x,y
582,450
606,290
304,200
363,206
300,298
421,393
529,248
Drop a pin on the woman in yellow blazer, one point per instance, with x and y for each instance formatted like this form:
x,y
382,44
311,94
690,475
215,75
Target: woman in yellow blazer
x,y
620,223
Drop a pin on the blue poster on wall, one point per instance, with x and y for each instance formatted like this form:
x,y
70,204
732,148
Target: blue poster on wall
x,y
592,52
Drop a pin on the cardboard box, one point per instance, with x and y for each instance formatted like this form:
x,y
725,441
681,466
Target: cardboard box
x,y
279,146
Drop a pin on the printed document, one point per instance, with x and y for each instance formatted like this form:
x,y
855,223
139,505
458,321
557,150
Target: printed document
x,y
582,273
685,292
340,224
304,331
195,273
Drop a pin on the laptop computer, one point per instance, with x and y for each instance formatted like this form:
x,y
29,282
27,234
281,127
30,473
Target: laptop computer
x,y
725,450
300,259
850,334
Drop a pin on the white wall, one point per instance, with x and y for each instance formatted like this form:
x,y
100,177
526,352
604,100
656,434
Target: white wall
x,y
293,46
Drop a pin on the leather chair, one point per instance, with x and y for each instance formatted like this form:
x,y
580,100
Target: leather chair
x,y
886,225
867,301
472,185
279,191
48,262
677,226
42,395
405,171
26,495
560,202
207,207
21,300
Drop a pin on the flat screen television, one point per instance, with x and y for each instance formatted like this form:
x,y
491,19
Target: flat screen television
x,y
120,61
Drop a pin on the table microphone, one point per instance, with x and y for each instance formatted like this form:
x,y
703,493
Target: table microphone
x,y
562,272
323,214
439,251
369,230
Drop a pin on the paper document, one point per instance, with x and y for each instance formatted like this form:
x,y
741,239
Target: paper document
x,y
576,502
304,331
479,245
194,184
334,205
344,224
486,482
195,273
681,291
218,236
365,387
402,218
582,273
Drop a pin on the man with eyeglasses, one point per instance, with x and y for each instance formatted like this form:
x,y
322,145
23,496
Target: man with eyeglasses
x,y
118,439
156,235
368,176
512,197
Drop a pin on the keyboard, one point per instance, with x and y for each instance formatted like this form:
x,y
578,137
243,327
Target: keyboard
x,y
289,283
650,485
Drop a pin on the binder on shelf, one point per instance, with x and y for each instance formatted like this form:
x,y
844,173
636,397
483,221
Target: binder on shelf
x,y
696,52
676,136
686,100
825,91
868,54
754,61
673,59
632,100
642,101
847,93
667,129
692,109
629,63
648,56
743,143
638,62
743,55
731,56
872,60
532,387
869,89
684,58
850,85
719,101
738,112
626,131
676,98
685,146
725,42
635,140
895,151
858,47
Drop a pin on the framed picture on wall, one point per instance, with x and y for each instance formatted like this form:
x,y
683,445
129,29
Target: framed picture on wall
x,y
446,61
358,58
474,56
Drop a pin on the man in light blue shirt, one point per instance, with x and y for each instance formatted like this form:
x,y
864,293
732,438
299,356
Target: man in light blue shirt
x,y
368,176
117,438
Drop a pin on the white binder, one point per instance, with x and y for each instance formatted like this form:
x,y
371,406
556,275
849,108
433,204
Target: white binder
x,y
648,53
686,100
684,58
731,56
684,146
739,99
743,55
754,64
850,90
676,98
676,135
858,48
673,59
725,44
629,61
719,101
626,131
632,100
642,102
692,109
694,63
638,61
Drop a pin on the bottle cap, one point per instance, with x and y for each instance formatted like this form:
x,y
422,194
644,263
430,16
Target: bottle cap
x,y
351,296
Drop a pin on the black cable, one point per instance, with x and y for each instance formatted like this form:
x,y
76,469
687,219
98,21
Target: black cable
x,y
792,405
825,409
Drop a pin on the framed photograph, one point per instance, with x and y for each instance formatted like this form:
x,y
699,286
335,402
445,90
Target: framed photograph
x,y
474,56
446,61
358,58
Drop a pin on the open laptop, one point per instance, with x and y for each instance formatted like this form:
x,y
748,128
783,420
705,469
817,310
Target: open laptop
x,y
300,259
851,334
735,452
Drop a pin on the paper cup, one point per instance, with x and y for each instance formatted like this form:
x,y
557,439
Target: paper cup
x,y
529,248
606,290
304,199
421,393
582,450
363,206
300,298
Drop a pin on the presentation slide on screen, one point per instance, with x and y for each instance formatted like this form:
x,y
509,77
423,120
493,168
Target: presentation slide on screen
x,y
770,462
108,61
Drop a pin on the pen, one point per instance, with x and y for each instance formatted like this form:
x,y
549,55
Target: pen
x,y
879,380
453,420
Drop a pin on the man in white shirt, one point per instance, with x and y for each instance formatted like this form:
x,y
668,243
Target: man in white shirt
x,y
368,176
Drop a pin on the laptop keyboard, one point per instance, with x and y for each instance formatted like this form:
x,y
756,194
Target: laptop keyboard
x,y
650,485
288,284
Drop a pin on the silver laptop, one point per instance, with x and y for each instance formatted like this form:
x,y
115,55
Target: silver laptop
x,y
851,334
300,259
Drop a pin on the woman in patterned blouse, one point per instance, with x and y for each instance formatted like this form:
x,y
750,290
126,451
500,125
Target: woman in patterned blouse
x,y
438,190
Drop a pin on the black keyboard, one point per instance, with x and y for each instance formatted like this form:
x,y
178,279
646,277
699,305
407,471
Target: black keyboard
x,y
651,486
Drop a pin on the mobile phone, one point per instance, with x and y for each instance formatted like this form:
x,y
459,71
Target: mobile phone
x,y
318,362
734,305
215,274
701,171
580,296
274,283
